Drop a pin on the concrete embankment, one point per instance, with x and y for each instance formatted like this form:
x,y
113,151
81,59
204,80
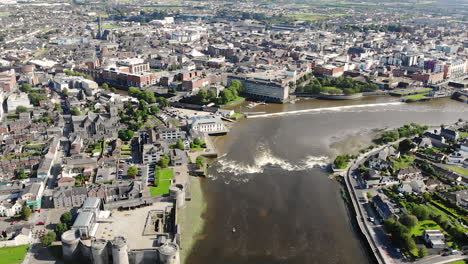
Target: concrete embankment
x,y
360,218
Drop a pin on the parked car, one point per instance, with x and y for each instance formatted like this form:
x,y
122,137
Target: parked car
x,y
40,223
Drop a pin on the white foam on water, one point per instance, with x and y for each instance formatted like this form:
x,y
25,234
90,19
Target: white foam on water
x,y
332,109
242,172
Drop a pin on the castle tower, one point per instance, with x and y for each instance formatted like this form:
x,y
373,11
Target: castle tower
x,y
70,242
169,253
99,251
178,195
119,250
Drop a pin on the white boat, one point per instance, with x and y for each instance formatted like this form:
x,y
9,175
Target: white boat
x,y
251,105
233,229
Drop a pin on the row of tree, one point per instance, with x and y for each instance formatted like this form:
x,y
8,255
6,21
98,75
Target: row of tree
x,y
407,130
135,118
227,95
147,96
35,95
341,85
74,73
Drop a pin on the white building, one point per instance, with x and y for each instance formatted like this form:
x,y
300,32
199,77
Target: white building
x,y
16,100
207,124
9,209
435,238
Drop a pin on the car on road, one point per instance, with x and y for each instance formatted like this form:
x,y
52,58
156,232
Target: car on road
x,y
371,219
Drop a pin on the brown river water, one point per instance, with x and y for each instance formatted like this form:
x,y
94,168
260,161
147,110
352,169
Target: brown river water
x,y
269,182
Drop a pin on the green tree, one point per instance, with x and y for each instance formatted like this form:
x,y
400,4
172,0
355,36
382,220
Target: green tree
x,y
126,134
422,252
25,212
409,220
58,107
149,97
25,88
197,141
421,212
105,86
134,92
199,162
36,98
237,85
405,146
20,174
61,228
341,162
75,111
164,161
65,91
66,218
21,109
180,144
163,102
132,171
48,238
212,95
154,110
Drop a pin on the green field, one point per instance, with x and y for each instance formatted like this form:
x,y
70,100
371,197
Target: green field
x,y
413,91
308,17
237,115
238,98
111,26
13,255
459,262
417,96
463,134
459,170
163,181
4,14
422,226
40,52
313,17
402,162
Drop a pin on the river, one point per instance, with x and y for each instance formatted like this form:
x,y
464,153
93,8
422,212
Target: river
x,y
270,183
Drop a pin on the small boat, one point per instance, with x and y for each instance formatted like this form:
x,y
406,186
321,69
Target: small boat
x,y
251,105
233,229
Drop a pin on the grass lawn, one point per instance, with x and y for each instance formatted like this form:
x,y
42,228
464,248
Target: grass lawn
x,y
13,255
459,170
40,52
161,189
163,181
165,174
413,91
237,115
308,17
417,96
402,162
424,225
238,98
463,134
197,149
110,26
459,262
